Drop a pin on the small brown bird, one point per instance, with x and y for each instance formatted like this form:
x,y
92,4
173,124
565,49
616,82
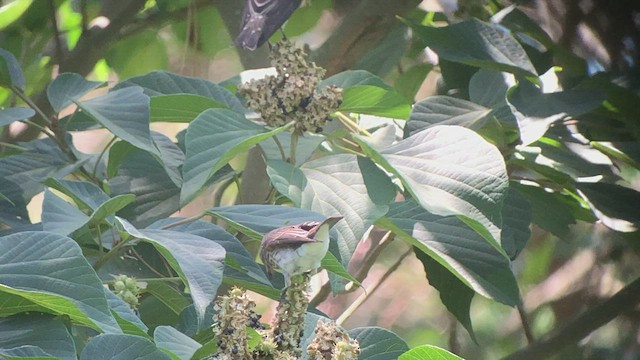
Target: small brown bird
x,y
296,249
261,19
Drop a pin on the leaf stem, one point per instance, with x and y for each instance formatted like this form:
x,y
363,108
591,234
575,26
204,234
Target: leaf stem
x,y
280,147
350,124
95,166
184,221
294,145
109,254
149,280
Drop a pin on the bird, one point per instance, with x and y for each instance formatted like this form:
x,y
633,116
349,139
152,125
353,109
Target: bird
x,y
296,249
261,19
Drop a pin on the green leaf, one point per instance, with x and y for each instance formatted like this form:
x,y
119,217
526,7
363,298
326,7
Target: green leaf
x,y
125,316
535,112
457,247
140,174
445,110
377,343
175,342
25,352
85,195
435,167
473,42
110,207
60,217
260,219
169,296
42,331
214,138
49,270
550,210
454,294
332,186
372,100
333,265
489,87
9,115
68,87
125,113
180,107
347,79
409,82
230,243
616,206
428,352
158,83
517,216
171,157
122,347
305,147
198,261
11,12
10,72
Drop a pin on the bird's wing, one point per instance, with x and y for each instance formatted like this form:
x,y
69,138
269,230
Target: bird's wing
x,y
262,18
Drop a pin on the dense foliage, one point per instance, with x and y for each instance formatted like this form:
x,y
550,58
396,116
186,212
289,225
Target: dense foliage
x,y
521,135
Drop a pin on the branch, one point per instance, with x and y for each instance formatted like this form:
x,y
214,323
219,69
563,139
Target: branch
x,y
574,331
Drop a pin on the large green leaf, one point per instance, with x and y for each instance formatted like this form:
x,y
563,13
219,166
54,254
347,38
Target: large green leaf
x,y
473,42
125,113
26,352
158,83
457,247
450,170
372,100
50,271
332,186
198,261
43,331
85,195
550,210
9,115
60,217
122,347
67,87
129,322
445,110
10,72
180,107
489,87
378,344
428,352
347,79
171,156
175,342
517,217
214,138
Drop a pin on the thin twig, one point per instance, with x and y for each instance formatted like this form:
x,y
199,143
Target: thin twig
x,y
294,145
84,22
280,147
31,104
365,295
526,325
95,167
142,260
184,221
56,32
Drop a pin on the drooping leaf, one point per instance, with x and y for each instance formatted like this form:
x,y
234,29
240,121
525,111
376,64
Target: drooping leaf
x,y
175,342
409,82
60,217
473,42
378,343
333,186
85,195
454,294
351,78
9,115
616,206
198,261
158,83
125,113
122,347
333,265
428,352
67,87
489,87
450,170
129,322
458,248
213,139
49,270
550,210
39,330
171,156
445,110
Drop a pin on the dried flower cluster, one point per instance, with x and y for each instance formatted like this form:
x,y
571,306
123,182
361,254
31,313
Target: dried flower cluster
x,y
235,313
292,94
127,289
332,343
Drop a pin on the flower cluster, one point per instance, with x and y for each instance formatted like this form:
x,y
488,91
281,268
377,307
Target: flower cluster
x,y
235,313
292,94
127,289
288,324
332,343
